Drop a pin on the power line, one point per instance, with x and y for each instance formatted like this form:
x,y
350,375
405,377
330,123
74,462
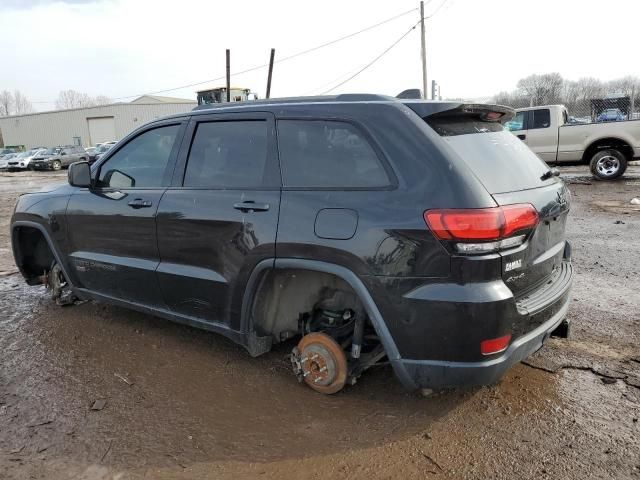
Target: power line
x,y
384,52
284,59
436,10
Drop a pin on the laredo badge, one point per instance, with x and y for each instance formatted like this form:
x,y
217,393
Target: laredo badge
x,y
513,265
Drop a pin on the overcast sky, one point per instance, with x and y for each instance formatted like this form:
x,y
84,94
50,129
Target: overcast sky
x,y
120,48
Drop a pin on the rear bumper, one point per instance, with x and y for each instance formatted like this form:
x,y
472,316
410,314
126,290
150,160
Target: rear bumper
x,y
544,313
416,374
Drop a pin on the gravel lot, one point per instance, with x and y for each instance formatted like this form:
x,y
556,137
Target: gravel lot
x,y
185,404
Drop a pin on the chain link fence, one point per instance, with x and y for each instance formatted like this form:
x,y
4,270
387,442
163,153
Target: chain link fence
x,y
588,100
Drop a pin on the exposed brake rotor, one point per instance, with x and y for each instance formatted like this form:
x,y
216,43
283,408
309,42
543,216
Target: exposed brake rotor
x,y
320,362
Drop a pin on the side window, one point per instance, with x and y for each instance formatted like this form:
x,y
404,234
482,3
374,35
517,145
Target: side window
x,y
141,162
228,154
517,122
323,153
541,118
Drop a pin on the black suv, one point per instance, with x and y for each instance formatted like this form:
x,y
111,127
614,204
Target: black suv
x,y
59,157
369,226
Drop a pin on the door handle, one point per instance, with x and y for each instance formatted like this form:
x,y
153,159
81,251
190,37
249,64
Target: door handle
x,y
522,136
139,203
251,206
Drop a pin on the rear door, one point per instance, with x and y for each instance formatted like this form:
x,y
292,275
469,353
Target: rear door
x,y
112,226
220,216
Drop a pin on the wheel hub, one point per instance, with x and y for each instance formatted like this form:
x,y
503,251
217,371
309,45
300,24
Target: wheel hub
x,y
320,362
608,165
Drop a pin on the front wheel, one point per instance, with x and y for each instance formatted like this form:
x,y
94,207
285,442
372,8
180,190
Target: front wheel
x,y
56,165
608,164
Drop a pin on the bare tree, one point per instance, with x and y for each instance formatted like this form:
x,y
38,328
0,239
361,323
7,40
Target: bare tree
x,y
6,103
512,99
20,103
102,100
624,86
577,95
73,99
541,89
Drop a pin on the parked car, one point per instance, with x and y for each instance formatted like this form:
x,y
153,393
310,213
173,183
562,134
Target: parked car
x,y
606,147
611,115
55,159
4,160
367,226
91,151
102,149
22,161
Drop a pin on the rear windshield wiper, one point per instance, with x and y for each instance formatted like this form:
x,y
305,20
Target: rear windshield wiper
x,y
552,172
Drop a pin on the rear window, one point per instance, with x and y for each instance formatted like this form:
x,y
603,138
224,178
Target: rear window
x,y
501,161
327,154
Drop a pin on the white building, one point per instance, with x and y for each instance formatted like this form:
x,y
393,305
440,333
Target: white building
x,y
88,126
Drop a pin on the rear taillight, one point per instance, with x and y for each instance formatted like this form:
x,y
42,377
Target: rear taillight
x,y
482,230
494,345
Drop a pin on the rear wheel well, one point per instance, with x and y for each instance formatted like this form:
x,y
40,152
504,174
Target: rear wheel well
x,y
605,144
33,254
284,296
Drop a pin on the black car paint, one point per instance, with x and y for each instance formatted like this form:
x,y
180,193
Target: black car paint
x,y
431,308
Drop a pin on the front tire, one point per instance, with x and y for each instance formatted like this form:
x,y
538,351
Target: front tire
x,y
56,165
608,164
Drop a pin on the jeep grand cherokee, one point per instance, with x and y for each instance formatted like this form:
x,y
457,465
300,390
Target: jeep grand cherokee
x,y
365,226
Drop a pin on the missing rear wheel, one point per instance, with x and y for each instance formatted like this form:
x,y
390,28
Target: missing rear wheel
x,y
320,362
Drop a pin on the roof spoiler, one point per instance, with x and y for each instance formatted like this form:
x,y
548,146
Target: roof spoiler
x,y
411,93
487,112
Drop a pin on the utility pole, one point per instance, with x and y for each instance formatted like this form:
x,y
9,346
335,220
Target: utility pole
x,y
273,53
228,75
425,90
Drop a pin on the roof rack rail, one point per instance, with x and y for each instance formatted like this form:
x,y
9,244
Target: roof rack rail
x,y
345,97
363,97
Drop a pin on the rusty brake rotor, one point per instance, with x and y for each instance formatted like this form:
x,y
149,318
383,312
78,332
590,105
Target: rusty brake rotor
x,y
322,363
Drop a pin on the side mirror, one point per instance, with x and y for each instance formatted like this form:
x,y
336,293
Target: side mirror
x,y
80,175
63,153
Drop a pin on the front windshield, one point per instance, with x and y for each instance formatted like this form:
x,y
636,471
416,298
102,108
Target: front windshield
x,y
51,151
24,154
104,148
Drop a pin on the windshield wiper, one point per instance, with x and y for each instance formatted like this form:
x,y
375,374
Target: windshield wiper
x,y
552,172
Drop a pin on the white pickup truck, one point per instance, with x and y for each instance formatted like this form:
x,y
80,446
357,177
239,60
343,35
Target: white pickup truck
x,y
605,146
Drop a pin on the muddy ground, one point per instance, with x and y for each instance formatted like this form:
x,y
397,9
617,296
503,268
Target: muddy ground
x,y
185,404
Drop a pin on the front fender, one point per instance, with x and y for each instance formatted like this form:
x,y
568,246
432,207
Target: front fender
x,y
47,214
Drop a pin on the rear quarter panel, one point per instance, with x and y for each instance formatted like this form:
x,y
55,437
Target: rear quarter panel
x,y
391,238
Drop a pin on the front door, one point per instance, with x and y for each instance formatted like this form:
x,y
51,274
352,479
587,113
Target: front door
x,y
220,216
112,226
518,125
